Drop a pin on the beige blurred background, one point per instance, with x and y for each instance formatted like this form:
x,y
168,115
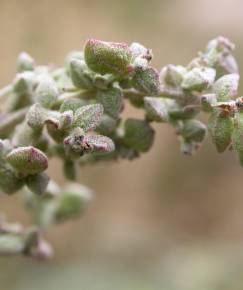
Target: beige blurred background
x,y
165,221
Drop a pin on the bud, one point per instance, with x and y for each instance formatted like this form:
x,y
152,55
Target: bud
x,y
23,83
72,105
220,44
111,100
36,116
173,75
226,65
71,56
139,135
27,160
88,117
219,56
11,244
220,128
9,182
198,79
25,62
65,120
193,131
38,183
157,108
108,57
146,80
226,88
46,92
208,102
80,74
237,136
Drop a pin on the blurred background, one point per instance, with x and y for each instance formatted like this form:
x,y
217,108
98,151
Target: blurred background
x,y
164,221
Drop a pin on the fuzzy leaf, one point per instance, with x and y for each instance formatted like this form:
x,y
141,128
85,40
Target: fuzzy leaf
x,y
9,182
27,160
80,74
146,80
157,108
107,125
23,83
108,57
37,183
226,88
221,128
72,104
173,75
111,100
88,117
198,79
99,143
193,131
46,92
208,101
139,135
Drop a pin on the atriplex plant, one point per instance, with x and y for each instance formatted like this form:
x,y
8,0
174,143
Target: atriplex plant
x,y
74,113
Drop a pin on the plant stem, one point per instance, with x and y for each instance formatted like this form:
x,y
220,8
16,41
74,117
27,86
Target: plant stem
x,y
9,121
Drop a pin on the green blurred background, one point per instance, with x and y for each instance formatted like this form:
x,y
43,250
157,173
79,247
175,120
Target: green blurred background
x,y
165,221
